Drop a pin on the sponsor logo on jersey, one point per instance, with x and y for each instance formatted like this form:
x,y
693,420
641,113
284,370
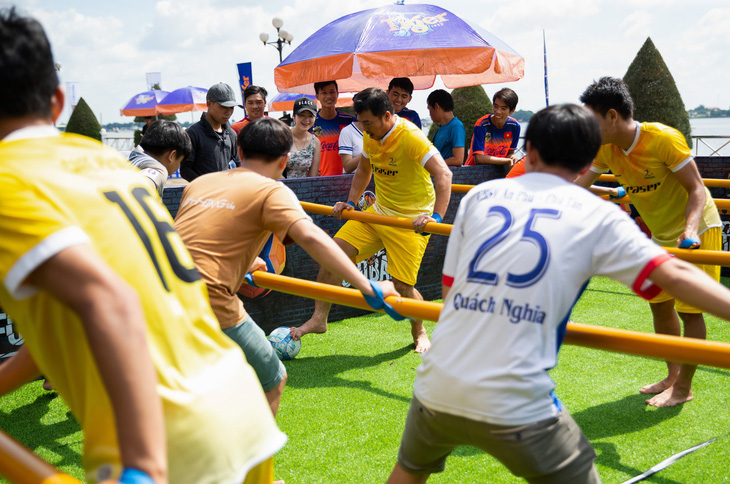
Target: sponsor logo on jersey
x,y
643,188
209,203
384,172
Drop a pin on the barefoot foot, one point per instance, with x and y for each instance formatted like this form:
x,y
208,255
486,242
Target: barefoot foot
x,y
310,326
658,387
670,397
420,339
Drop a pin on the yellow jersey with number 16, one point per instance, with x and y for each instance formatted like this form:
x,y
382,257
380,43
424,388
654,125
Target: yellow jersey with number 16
x,y
59,190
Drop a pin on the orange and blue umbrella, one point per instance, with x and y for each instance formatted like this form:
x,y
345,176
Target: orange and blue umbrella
x,y
284,101
143,104
418,41
182,100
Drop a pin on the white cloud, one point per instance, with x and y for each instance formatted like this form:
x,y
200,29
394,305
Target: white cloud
x,y
108,46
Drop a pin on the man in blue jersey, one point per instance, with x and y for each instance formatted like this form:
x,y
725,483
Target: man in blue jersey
x,y
484,382
400,92
496,135
330,121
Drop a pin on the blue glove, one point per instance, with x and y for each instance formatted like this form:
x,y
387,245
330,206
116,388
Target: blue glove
x,y
690,243
378,302
248,278
621,193
352,204
135,476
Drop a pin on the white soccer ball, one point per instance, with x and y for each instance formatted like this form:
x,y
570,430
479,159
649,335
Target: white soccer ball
x,y
285,347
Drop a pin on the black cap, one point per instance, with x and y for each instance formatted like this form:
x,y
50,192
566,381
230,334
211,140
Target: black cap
x,y
305,104
222,94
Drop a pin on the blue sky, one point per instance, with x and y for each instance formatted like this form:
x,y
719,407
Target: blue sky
x,y
108,46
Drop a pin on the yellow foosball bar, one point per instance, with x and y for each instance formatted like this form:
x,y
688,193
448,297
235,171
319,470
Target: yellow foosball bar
x,y
696,256
663,347
21,466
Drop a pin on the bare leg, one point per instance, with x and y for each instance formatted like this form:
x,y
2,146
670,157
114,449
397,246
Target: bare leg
x,y
681,390
665,322
420,337
273,396
318,322
400,476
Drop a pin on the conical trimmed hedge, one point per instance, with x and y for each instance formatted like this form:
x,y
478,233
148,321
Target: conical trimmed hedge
x,y
655,94
83,121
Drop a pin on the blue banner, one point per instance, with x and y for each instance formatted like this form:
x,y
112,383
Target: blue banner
x,y
245,77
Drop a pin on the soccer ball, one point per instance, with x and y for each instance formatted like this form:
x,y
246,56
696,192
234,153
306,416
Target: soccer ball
x,y
367,199
274,254
285,347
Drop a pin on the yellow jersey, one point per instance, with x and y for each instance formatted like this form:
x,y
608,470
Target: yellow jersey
x,y
646,171
59,190
403,187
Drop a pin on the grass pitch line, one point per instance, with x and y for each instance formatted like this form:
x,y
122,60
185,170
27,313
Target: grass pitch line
x,y
667,462
662,347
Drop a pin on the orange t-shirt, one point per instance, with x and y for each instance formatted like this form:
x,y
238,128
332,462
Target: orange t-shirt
x,y
225,219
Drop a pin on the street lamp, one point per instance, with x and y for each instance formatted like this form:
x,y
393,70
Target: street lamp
x,y
283,36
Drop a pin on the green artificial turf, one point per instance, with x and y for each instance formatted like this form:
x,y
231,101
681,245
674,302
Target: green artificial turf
x,y
348,392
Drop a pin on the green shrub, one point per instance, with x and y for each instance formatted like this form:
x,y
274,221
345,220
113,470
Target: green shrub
x,y
655,94
470,104
83,121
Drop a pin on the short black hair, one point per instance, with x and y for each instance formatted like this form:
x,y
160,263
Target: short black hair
x,y
609,93
267,139
374,100
508,96
321,85
253,90
402,83
565,135
28,76
442,98
162,136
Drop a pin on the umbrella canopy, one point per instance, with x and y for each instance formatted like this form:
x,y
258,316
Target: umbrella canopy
x,y
143,104
184,99
285,101
419,41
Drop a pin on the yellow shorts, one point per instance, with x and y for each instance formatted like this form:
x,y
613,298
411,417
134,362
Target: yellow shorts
x,y
262,473
711,239
405,248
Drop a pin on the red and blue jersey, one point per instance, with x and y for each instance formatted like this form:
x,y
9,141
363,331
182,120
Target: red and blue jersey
x,y
328,132
490,140
411,116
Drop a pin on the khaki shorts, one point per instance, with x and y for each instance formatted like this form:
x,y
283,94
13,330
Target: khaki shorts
x,y
711,239
258,351
550,451
405,248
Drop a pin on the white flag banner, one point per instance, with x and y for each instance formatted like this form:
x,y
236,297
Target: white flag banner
x,y
152,79
73,93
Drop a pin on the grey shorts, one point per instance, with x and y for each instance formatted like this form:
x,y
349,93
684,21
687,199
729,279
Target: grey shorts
x,y
550,451
259,353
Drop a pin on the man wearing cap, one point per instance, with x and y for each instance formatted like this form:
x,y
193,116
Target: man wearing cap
x,y
214,142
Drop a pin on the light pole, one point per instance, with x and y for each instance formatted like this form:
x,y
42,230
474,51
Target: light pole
x,y
283,36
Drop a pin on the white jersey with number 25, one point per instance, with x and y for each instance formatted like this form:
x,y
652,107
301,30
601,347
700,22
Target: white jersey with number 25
x,y
520,254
